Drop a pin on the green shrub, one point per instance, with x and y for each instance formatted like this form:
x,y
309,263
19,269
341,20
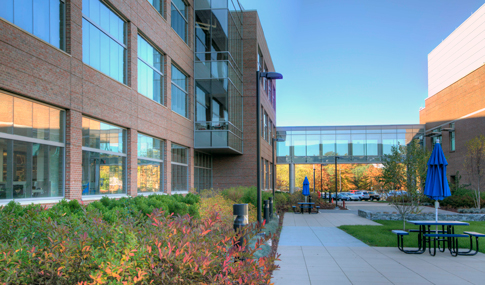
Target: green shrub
x,y
114,247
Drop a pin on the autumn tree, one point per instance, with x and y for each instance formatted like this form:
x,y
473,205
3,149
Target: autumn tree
x,y
475,165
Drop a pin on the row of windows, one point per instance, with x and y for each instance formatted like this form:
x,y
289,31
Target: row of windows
x,y
268,85
105,42
267,127
32,155
266,174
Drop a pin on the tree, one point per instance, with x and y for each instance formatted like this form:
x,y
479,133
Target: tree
x,y
360,177
405,169
282,176
475,165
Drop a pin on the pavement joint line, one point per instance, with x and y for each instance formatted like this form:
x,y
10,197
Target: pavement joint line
x,y
306,266
425,260
330,256
371,266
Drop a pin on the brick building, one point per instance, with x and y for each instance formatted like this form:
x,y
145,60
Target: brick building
x,y
454,111
126,98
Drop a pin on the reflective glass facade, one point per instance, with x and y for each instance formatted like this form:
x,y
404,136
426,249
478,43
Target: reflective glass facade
x,y
356,144
179,18
150,164
150,75
104,41
180,168
104,158
31,149
218,75
42,18
203,171
180,100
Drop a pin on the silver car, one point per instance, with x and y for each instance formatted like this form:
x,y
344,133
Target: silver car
x,y
363,195
351,196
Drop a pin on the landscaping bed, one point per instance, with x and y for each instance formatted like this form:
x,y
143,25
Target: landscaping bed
x,y
159,239
382,236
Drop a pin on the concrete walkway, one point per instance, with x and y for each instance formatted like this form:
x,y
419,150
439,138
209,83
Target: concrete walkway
x,y
314,251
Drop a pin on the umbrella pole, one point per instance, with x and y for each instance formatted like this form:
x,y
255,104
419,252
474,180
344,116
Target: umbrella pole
x,y
306,199
436,206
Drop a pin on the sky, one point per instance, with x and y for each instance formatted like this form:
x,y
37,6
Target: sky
x,y
354,62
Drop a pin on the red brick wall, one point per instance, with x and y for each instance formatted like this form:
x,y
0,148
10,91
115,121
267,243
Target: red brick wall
x,y
32,68
236,170
457,102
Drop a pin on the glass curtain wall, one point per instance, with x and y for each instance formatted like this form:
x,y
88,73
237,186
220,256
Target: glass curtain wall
x,y
104,158
218,74
31,149
150,164
359,144
203,171
179,18
158,5
180,168
104,40
42,18
180,95
150,75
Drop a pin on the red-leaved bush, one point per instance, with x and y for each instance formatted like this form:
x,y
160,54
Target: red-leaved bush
x,y
38,249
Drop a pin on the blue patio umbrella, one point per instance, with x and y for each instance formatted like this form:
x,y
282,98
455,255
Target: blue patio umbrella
x,y
436,187
306,187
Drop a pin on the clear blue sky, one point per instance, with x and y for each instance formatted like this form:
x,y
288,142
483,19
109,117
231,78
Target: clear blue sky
x,y
354,62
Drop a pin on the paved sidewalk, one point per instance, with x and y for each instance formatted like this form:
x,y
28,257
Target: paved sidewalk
x,y
314,251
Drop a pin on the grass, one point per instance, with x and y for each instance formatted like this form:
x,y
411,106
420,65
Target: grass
x,y
382,236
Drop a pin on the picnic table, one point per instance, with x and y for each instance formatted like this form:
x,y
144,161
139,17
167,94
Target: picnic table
x,y
441,233
306,205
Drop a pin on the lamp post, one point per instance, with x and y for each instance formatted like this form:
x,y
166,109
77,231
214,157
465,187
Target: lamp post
x,y
314,178
321,184
259,75
336,189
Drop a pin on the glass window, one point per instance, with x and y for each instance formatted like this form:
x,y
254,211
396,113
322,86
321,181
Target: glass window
x,y
104,41
283,148
180,168
180,99
342,143
452,137
313,145
373,142
150,76
437,137
42,18
328,145
31,149
203,171
265,126
150,164
299,144
179,18
358,144
270,130
158,4
266,174
388,141
104,158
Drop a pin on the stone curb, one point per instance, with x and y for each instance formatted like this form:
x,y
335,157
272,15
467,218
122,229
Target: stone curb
x,y
416,217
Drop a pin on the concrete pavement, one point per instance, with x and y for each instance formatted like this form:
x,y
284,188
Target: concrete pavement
x,y
314,251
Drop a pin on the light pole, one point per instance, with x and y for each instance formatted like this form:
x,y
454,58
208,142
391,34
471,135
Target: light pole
x,y
321,184
259,75
336,189
314,178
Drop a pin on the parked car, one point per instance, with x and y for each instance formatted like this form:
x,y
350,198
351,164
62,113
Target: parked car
x,y
363,195
342,197
373,195
351,196
394,193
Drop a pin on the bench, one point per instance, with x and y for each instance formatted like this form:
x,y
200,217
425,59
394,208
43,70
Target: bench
x,y
294,210
471,235
452,242
309,207
439,241
317,210
400,243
